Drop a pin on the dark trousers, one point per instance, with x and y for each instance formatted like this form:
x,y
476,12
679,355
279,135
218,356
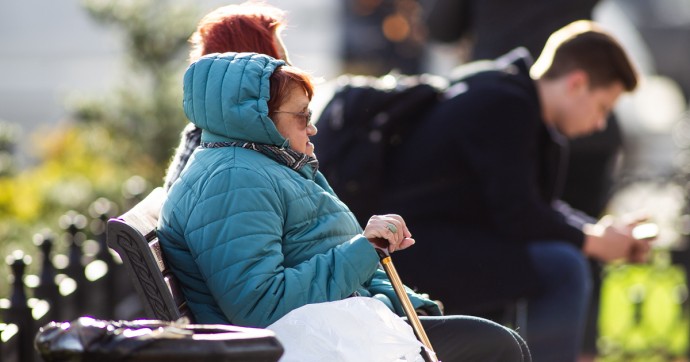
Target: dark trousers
x,y
468,339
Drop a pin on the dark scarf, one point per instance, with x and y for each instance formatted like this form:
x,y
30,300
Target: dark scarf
x,y
289,157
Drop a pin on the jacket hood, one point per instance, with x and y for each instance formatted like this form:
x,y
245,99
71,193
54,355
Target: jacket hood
x,y
226,96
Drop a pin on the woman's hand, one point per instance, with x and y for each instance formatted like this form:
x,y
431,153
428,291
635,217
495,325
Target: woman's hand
x,y
388,231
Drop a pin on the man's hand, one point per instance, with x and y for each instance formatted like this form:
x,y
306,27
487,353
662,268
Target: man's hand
x,y
611,239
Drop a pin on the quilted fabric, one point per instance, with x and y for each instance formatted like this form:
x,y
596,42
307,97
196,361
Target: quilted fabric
x,y
251,239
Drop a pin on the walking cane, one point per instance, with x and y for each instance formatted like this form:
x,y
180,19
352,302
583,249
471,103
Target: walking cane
x,y
427,353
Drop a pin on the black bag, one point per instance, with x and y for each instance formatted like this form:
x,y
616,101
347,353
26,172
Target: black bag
x,y
364,119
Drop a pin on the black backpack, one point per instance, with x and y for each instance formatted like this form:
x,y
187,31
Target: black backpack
x,y
364,119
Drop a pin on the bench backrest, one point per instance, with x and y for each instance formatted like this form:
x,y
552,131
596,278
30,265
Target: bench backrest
x,y
133,237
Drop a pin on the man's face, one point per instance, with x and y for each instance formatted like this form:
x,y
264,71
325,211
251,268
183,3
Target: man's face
x,y
587,109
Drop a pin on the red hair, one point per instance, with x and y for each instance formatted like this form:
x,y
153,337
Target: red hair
x,y
282,80
247,27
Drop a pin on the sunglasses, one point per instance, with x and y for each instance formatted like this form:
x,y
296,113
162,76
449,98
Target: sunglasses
x,y
306,116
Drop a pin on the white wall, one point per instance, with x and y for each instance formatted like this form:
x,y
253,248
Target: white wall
x,y
47,49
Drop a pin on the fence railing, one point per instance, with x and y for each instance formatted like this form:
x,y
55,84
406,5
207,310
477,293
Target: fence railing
x,y
87,279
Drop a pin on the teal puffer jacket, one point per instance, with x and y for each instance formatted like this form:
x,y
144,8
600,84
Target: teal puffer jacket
x,y
249,238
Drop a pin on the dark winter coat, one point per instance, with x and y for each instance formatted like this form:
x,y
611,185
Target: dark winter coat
x,y
476,182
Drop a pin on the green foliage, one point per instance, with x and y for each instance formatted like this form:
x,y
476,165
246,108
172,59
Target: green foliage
x,y
156,30
77,167
147,107
8,141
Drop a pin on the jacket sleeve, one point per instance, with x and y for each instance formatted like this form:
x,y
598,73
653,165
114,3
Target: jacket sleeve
x,y
236,240
380,284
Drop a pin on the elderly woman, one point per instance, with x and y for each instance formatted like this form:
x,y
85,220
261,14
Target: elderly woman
x,y
253,230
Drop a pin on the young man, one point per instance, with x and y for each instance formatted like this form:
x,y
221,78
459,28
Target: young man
x,y
479,180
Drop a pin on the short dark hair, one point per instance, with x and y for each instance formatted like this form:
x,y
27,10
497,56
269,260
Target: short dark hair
x,y
585,45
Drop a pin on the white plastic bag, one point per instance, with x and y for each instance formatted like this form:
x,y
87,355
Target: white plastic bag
x,y
353,329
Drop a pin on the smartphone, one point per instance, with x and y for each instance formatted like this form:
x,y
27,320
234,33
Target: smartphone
x,y
648,230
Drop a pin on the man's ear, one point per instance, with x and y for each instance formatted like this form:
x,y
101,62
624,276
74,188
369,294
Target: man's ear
x,y
577,81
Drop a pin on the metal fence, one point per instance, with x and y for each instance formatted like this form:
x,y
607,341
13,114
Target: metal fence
x,y
85,280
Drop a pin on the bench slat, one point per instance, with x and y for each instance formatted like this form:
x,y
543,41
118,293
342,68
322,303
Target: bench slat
x,y
133,237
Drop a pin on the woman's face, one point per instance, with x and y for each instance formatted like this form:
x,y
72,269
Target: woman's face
x,y
293,120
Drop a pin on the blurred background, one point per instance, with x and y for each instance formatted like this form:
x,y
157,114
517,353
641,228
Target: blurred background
x,y
90,113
